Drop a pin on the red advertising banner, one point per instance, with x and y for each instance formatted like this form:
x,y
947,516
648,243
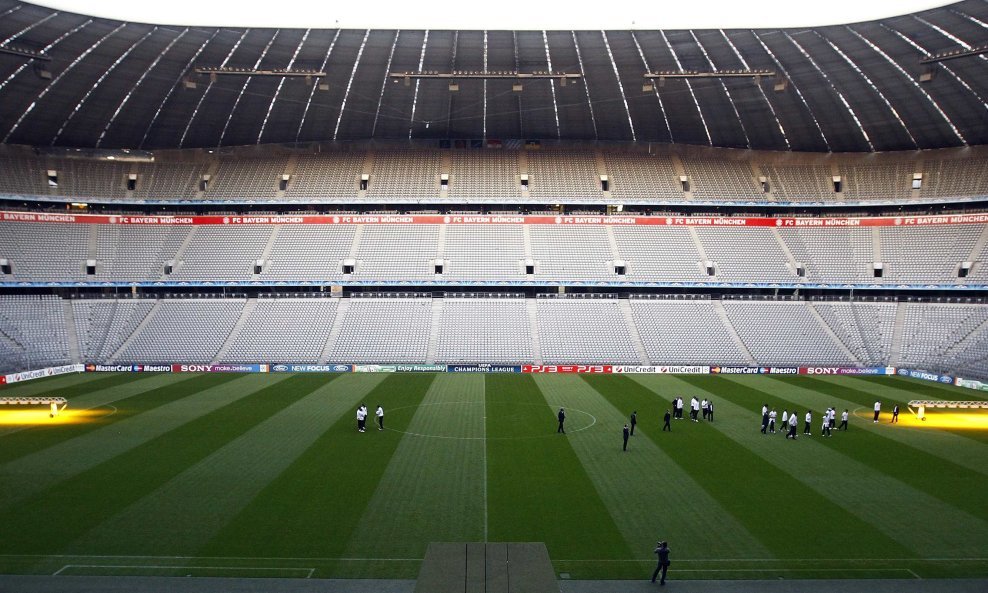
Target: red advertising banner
x,y
568,368
461,219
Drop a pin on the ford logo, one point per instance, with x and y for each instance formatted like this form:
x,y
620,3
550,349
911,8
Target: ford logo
x,y
903,372
341,368
279,368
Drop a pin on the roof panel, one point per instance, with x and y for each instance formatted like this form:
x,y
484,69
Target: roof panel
x,y
141,100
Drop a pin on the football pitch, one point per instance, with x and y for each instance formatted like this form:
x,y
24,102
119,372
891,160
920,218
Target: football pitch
x,y
265,475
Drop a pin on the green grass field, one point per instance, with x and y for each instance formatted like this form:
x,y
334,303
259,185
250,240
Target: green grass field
x,y
266,476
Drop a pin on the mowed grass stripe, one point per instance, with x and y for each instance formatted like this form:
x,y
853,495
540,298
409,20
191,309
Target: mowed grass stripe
x,y
65,384
184,514
647,493
879,500
903,390
775,506
63,513
538,490
142,415
82,395
433,487
313,508
950,450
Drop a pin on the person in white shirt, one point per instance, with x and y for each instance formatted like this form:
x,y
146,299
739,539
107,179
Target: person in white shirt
x,y
380,417
878,410
843,420
785,421
695,409
825,427
806,426
793,421
771,421
703,408
361,418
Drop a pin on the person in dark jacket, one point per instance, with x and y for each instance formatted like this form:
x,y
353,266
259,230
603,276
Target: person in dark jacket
x,y
627,433
562,418
662,551
634,421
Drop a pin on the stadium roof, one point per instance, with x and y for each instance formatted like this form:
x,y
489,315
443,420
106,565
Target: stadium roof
x,y
517,15
72,80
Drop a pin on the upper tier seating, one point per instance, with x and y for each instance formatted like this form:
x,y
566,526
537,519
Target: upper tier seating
x,y
389,253
413,175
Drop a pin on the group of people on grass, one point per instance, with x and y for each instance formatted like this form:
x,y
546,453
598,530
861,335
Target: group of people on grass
x,y
362,414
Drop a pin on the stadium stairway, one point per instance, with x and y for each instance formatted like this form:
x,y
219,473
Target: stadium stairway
x,y
895,353
830,332
533,321
636,339
245,314
341,310
437,313
719,307
137,331
70,332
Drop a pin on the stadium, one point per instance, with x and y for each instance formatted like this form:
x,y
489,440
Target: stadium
x,y
220,243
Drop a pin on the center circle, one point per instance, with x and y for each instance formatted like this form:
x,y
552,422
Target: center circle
x,y
468,420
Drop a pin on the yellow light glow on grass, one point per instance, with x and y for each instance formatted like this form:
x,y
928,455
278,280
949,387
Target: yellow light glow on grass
x,y
952,420
24,416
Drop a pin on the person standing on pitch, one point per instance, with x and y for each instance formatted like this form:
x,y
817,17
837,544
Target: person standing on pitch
x,y
562,418
771,420
806,426
793,422
764,418
895,413
634,421
785,422
361,418
703,408
878,410
627,433
666,426
662,551
679,408
843,420
710,410
380,417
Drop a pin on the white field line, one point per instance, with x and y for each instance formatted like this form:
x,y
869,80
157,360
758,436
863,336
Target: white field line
x,y
373,559
308,571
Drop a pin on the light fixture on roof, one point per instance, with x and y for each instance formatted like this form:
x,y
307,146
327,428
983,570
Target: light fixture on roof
x,y
459,75
953,54
781,84
926,75
307,73
648,86
10,50
662,74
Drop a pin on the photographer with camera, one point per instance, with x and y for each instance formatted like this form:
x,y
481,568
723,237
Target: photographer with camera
x,y
662,551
